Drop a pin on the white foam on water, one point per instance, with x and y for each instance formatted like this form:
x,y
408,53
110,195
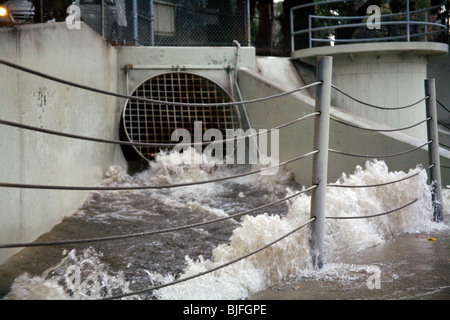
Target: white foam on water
x,y
281,260
180,168
357,234
78,276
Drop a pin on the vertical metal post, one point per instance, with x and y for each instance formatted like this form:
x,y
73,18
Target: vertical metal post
x,y
320,165
249,24
448,27
135,22
272,19
103,18
433,149
42,11
310,32
407,21
291,17
152,21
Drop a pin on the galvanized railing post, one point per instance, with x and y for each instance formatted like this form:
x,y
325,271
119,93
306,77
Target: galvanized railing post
x,y
152,22
291,20
103,18
433,149
408,32
310,32
320,164
249,24
135,23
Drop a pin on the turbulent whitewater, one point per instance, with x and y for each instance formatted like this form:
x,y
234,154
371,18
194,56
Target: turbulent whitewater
x,y
287,259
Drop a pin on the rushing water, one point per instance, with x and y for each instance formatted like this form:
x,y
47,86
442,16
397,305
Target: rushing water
x,y
392,247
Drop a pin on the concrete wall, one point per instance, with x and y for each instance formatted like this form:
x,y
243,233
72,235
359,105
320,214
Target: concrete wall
x,y
383,74
211,62
215,63
80,56
298,139
439,68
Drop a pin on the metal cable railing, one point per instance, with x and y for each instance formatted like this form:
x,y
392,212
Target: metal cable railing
x,y
157,187
335,26
111,238
375,215
444,125
442,105
213,269
387,130
380,130
131,143
315,188
378,184
81,188
382,156
433,144
375,106
134,98
152,233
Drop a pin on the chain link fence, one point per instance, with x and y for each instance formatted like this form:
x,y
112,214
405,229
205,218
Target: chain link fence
x,y
143,22
184,22
160,22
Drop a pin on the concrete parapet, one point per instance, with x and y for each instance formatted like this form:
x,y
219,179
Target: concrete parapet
x,y
79,56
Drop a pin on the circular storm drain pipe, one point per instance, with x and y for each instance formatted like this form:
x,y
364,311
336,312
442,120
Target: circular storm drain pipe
x,y
145,122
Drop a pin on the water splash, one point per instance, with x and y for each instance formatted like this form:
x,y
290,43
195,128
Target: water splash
x,y
78,276
276,263
175,168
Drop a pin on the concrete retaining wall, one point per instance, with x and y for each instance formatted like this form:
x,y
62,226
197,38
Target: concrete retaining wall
x,y
28,157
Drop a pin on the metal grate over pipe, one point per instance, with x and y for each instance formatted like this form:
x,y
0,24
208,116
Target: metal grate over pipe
x,y
146,122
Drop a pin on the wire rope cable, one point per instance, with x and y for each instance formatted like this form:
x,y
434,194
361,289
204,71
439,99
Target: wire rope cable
x,y
375,106
442,105
154,232
444,125
177,185
380,156
171,103
380,130
378,184
374,215
130,143
212,269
